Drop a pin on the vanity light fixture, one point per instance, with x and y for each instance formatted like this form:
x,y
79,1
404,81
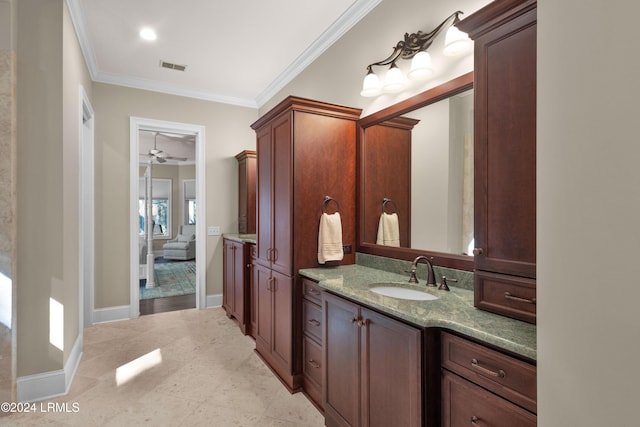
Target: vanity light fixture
x,y
414,47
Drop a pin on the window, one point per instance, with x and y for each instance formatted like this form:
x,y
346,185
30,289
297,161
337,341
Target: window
x,y
191,211
189,186
160,207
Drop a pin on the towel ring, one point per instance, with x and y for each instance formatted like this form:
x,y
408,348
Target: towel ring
x,y
328,200
384,204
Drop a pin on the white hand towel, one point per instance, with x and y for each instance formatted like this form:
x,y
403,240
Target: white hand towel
x,y
330,238
388,230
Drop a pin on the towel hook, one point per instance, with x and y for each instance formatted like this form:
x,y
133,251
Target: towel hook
x,y
387,200
328,200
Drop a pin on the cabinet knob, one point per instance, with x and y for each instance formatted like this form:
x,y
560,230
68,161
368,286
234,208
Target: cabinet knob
x,y
474,421
477,251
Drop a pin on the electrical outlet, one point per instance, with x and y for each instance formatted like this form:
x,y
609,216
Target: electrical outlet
x,y
213,231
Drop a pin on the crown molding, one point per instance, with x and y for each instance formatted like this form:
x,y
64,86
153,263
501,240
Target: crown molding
x,y
166,88
348,19
352,16
77,19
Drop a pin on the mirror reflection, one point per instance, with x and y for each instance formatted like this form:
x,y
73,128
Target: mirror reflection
x,y
418,178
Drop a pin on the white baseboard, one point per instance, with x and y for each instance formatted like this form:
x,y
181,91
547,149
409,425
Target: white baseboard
x,y
32,388
111,314
214,301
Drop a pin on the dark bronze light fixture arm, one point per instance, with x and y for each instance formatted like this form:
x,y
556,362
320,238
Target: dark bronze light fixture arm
x,y
414,43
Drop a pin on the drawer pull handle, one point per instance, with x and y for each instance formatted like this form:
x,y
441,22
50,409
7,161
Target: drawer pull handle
x,y
474,420
314,322
314,363
507,295
475,364
314,292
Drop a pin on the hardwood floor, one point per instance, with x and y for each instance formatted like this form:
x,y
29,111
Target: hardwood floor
x,y
161,305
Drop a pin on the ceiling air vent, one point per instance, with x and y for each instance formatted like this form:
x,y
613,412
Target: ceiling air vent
x,y
169,65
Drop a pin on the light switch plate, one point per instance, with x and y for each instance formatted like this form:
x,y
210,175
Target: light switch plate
x,y
213,231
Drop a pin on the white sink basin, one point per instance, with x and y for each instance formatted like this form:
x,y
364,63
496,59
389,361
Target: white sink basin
x,y
403,293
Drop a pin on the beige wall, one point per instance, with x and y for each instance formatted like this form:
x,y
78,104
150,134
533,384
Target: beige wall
x,y
588,213
227,133
50,69
8,225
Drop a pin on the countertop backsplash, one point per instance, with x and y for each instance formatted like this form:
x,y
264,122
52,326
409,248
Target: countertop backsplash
x,y
465,278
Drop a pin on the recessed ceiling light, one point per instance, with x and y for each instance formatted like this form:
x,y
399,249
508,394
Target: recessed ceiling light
x,y
148,34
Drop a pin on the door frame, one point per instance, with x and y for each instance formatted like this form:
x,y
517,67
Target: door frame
x,y
86,190
136,124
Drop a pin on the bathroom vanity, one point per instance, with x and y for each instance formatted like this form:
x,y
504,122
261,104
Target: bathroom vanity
x,y
423,362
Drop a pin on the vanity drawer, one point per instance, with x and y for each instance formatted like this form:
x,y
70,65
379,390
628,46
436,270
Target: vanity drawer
x,y
506,376
466,404
312,363
312,320
311,291
510,296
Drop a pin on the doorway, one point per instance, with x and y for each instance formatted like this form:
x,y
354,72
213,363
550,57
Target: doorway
x,y
157,217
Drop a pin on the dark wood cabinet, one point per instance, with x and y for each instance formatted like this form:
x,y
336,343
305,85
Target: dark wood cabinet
x,y
312,343
273,318
504,33
236,271
485,386
305,151
464,404
385,155
246,192
373,367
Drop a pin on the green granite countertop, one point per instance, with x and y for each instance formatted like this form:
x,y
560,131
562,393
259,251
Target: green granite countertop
x,y
452,310
242,238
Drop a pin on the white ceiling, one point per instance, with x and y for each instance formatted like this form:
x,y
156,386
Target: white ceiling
x,y
171,144
236,52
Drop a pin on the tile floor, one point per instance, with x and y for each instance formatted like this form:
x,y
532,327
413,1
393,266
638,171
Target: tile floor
x,y
209,376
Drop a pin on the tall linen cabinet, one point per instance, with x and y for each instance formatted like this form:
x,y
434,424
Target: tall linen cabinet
x,y
504,34
306,151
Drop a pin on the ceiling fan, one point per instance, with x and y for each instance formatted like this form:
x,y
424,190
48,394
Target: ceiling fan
x,y
159,155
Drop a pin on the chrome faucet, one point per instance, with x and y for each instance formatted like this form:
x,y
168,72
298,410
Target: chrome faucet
x,y
431,277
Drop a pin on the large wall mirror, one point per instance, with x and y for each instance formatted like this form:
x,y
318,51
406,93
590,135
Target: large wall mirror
x,y
416,177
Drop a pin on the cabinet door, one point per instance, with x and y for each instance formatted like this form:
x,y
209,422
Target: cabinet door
x,y
505,148
465,404
341,392
264,311
281,257
227,276
391,372
264,196
281,289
